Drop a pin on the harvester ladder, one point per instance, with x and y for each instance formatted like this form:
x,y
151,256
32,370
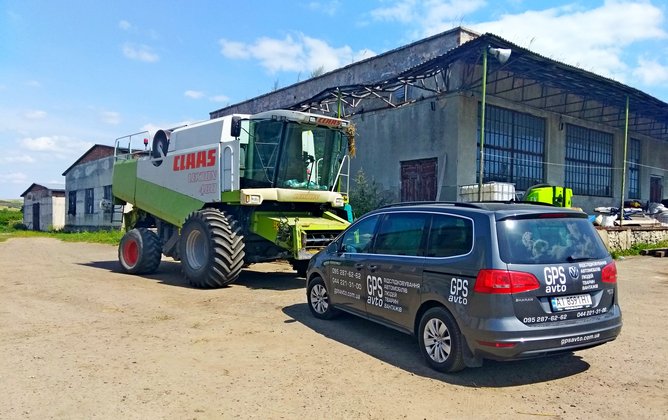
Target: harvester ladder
x,y
117,214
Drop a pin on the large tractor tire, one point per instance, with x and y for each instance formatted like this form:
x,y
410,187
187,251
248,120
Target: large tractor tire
x,y
211,248
139,251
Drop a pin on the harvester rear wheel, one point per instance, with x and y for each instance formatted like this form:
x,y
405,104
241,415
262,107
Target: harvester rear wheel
x,y
139,251
211,249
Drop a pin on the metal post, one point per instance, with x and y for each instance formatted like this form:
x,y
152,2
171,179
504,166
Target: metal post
x,y
482,123
626,141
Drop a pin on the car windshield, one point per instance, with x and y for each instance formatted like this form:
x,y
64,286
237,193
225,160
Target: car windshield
x,y
548,241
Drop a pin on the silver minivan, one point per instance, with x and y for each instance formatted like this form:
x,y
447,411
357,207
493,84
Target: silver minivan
x,y
473,281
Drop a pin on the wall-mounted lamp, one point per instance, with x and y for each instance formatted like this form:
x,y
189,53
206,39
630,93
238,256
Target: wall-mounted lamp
x,y
502,55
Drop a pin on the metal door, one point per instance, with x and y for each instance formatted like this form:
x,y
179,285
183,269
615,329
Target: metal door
x,y
418,179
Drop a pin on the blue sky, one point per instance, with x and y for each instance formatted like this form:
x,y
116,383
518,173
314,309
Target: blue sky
x,y
74,73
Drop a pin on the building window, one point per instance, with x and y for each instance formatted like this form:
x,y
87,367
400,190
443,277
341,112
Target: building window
x,y
514,147
89,200
588,161
634,168
72,203
107,196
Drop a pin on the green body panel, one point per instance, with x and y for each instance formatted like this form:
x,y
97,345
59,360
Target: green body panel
x,y
290,230
164,203
230,197
123,180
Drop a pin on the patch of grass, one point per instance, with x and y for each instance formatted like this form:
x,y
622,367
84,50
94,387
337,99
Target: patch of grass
x,y
112,237
635,249
9,218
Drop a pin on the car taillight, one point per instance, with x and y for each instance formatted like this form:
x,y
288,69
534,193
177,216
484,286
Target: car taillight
x,y
609,273
505,282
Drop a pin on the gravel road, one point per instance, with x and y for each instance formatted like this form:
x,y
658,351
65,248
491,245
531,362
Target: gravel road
x,y
79,340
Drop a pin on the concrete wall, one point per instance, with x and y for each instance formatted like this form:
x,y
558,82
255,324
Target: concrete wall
x,y
95,174
416,131
620,238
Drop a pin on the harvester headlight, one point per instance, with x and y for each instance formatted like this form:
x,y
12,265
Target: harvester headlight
x,y
253,199
312,119
338,202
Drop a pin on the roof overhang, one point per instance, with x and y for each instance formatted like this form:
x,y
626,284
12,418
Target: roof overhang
x,y
528,78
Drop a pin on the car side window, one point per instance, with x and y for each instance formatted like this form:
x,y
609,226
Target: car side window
x,y
359,237
401,234
450,236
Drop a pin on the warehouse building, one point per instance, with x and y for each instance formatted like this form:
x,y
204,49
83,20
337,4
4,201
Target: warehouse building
x,y
88,192
417,111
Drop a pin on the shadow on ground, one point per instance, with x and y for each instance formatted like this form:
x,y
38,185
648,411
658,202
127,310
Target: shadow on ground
x,y
401,350
169,273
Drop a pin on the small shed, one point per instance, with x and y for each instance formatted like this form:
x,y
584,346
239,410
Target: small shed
x,y
43,208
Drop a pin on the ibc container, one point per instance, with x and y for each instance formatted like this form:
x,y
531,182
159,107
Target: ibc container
x,y
491,191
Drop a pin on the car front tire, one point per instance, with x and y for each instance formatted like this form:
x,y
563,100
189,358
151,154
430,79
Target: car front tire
x,y
318,299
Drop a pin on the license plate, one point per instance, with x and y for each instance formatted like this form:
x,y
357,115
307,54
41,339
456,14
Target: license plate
x,y
568,303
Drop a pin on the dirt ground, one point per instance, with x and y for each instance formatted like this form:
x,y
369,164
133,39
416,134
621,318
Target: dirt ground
x,y
80,340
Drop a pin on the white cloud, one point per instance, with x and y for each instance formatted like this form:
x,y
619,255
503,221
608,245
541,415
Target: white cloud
x,y
13,178
140,53
219,98
40,144
124,25
651,72
233,49
327,7
593,39
432,16
17,159
110,117
193,94
35,114
33,83
295,54
59,147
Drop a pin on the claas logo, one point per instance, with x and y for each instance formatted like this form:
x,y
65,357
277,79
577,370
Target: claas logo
x,y
201,159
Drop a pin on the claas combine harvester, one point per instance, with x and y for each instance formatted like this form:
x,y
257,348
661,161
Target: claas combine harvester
x,y
228,192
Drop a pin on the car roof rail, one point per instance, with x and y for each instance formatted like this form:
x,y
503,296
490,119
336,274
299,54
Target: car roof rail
x,y
427,203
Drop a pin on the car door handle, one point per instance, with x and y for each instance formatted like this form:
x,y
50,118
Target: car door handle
x,y
373,267
359,266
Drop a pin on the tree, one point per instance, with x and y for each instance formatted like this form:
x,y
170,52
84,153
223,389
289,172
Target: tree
x,y
366,196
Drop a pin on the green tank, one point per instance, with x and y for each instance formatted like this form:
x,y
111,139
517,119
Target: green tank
x,y
550,194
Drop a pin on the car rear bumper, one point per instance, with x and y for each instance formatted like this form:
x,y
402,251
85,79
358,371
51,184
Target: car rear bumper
x,y
521,341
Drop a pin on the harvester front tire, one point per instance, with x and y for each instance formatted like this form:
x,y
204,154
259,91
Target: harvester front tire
x,y
140,251
211,249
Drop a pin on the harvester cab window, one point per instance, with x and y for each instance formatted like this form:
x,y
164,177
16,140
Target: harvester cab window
x,y
311,157
261,147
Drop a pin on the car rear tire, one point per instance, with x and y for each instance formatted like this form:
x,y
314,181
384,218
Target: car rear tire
x,y
318,299
139,251
441,340
211,248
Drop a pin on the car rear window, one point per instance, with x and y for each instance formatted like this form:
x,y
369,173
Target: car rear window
x,y
548,241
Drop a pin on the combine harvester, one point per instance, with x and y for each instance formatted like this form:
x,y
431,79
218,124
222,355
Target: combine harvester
x,y
227,192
